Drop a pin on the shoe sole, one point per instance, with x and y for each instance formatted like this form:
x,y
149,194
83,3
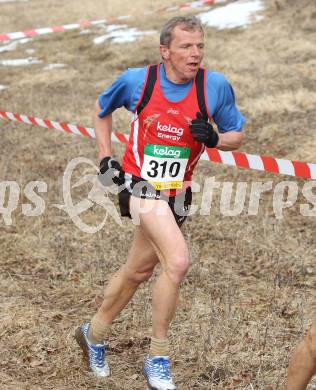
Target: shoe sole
x,y
153,388
79,337
149,386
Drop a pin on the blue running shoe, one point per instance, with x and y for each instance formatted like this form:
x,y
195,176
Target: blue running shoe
x,y
157,373
95,353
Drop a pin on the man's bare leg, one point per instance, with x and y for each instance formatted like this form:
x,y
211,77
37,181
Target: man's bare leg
x,y
302,365
139,266
167,239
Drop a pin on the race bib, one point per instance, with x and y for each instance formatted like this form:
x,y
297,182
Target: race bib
x,y
164,166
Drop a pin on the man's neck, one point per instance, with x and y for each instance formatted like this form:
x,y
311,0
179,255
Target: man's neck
x,y
172,76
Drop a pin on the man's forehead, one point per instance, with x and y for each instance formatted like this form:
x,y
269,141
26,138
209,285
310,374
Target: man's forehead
x,y
180,33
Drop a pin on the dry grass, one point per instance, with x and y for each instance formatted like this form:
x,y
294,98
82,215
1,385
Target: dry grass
x,y
249,294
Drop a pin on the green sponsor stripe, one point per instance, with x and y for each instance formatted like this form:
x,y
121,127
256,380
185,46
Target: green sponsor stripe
x,y
162,151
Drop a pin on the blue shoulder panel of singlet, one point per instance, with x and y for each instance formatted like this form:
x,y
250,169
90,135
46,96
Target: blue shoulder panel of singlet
x,y
127,88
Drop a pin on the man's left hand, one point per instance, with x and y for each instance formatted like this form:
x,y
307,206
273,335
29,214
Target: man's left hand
x,y
202,131
110,172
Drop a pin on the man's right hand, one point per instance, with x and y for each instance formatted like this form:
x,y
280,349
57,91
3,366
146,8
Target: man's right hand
x,y
110,172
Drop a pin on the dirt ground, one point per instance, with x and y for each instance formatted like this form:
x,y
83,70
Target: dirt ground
x,y
249,296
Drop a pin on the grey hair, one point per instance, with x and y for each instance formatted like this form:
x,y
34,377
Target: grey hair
x,y
187,23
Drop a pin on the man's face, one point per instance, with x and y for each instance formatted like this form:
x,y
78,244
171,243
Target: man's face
x,y
183,57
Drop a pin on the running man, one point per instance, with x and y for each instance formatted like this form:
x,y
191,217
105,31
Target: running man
x,y
173,103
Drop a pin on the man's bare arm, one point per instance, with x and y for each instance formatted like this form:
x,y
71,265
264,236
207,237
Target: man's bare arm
x,y
231,140
103,130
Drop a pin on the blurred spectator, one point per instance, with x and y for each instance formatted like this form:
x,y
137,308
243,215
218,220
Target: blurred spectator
x,y
302,365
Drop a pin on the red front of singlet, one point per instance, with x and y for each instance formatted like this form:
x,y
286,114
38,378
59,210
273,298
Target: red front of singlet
x,y
166,123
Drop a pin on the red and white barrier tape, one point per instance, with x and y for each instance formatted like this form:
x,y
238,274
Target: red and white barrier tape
x,y
87,23
47,30
237,159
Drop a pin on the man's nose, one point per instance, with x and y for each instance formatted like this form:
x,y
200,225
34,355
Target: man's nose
x,y
195,51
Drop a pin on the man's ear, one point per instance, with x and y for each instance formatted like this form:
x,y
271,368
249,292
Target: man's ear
x,y
164,51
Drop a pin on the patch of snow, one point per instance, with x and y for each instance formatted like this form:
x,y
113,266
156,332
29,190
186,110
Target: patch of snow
x,y
237,14
13,45
54,66
84,32
21,62
122,35
2,87
124,17
113,27
10,47
101,26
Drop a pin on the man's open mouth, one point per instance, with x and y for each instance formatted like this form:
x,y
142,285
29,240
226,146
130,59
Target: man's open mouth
x,y
193,64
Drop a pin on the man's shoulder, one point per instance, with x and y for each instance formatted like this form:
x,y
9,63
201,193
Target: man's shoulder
x,y
133,76
215,79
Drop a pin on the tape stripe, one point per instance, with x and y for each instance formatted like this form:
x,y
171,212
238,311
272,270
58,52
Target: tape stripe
x,y
48,124
41,122
301,169
10,115
65,127
90,131
270,164
121,137
285,166
16,35
56,125
227,158
312,168
214,155
33,121
84,131
25,119
74,129
239,159
255,162
72,26
58,28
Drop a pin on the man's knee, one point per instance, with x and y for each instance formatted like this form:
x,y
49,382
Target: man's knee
x,y
177,267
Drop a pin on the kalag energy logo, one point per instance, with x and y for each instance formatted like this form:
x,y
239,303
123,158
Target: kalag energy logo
x,y
169,132
165,151
170,129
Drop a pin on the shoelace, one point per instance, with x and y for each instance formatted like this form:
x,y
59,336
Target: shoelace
x,y
161,367
97,357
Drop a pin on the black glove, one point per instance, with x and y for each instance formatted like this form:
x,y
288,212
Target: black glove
x,y
202,131
110,172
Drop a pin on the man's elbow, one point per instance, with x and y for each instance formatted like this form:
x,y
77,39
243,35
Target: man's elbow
x,y
231,140
239,138
98,111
